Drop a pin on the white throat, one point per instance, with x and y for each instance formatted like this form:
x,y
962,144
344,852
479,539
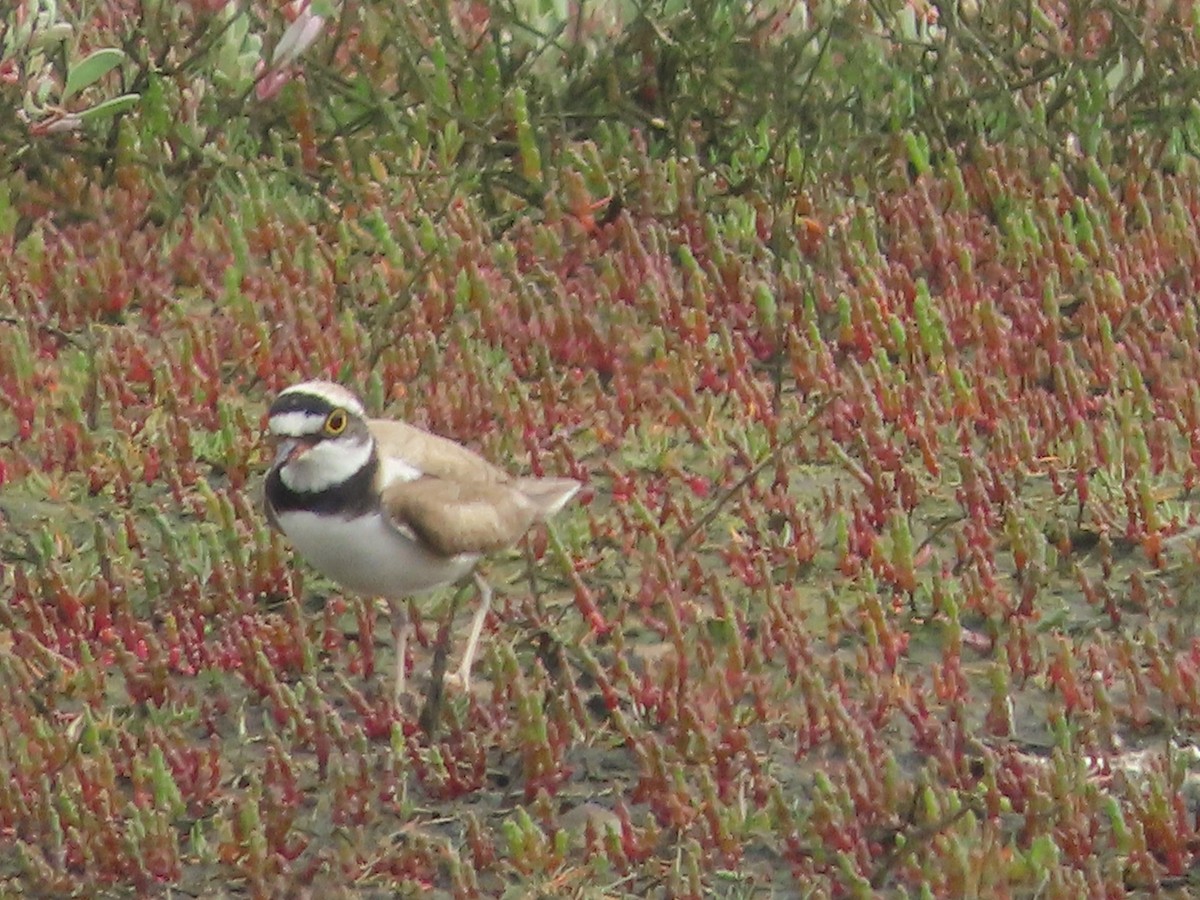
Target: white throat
x,y
326,465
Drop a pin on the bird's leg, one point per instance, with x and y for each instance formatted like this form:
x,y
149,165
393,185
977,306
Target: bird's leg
x,y
463,675
400,629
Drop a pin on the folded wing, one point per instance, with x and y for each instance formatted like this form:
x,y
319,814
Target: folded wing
x,y
454,517
461,503
432,454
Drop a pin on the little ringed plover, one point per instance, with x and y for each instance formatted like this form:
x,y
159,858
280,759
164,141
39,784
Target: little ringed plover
x,y
388,510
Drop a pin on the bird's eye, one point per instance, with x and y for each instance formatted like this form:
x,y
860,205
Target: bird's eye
x,y
336,422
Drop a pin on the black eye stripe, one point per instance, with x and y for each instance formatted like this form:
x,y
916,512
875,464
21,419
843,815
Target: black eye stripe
x,y
301,403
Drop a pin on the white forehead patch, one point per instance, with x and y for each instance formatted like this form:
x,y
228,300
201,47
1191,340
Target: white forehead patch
x,y
331,393
295,424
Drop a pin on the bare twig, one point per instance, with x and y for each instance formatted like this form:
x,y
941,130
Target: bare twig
x,y
772,455
54,330
431,713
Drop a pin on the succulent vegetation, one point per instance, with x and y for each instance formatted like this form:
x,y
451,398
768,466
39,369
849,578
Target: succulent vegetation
x,y
871,327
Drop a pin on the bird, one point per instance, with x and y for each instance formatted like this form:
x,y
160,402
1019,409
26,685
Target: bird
x,y
388,510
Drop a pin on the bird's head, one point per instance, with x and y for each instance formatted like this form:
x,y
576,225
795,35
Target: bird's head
x,y
321,436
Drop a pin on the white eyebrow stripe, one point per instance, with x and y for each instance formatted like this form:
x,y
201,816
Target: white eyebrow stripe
x,y
295,424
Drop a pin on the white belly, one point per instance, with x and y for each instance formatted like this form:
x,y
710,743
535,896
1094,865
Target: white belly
x,y
368,556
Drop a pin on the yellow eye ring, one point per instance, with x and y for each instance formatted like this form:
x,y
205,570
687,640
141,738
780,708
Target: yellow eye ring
x,y
336,422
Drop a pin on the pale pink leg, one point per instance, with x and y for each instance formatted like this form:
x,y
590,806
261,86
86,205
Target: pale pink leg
x,y
463,675
400,630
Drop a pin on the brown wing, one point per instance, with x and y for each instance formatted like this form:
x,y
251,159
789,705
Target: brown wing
x,y
460,517
432,454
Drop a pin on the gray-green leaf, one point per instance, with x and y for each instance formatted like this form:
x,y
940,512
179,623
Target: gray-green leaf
x,y
91,69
